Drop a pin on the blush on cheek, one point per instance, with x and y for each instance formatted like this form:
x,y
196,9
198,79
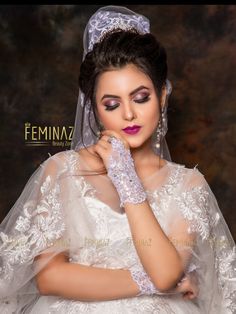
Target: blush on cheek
x,y
154,119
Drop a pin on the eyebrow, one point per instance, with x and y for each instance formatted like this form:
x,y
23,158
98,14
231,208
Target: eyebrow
x,y
130,94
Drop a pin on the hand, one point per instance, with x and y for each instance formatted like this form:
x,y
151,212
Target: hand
x,y
189,286
120,167
104,149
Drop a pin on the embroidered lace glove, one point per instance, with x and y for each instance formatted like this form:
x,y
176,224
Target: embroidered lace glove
x,y
146,286
122,173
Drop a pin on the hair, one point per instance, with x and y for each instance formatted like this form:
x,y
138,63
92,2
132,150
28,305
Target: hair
x,y
115,50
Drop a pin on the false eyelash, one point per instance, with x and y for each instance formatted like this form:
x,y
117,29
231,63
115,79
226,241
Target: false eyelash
x,y
109,108
145,99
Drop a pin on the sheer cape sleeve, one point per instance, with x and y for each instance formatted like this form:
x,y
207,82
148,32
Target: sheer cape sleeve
x,y
35,224
59,211
198,230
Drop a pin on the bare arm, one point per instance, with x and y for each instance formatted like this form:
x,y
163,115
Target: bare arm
x,y
160,259
84,283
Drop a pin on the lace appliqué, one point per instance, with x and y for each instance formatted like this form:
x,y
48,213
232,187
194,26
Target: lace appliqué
x,y
71,161
143,281
226,269
138,305
103,22
167,189
194,207
72,166
35,230
159,199
121,171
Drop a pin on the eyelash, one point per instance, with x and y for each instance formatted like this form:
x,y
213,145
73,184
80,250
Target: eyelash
x,y
142,100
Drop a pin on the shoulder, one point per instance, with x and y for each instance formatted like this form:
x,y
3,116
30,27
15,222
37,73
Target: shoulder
x,y
63,156
191,176
73,161
59,163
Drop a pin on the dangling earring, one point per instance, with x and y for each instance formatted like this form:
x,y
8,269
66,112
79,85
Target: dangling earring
x,y
159,131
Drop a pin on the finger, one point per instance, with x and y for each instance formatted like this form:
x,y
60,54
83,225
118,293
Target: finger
x,y
105,138
104,143
117,135
195,292
191,296
111,132
183,285
188,296
100,149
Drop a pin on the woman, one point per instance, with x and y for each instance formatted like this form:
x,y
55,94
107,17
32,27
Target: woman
x,y
113,225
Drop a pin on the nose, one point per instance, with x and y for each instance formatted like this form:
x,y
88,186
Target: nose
x,y
129,113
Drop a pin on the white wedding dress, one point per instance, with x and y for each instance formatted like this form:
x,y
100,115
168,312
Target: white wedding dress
x,y
62,209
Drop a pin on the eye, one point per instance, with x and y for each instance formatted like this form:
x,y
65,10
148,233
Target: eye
x,y
143,99
111,106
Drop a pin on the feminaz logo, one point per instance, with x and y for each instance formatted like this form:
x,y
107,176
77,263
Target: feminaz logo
x,y
47,135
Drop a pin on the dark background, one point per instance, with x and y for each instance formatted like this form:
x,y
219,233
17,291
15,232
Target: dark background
x,y
40,53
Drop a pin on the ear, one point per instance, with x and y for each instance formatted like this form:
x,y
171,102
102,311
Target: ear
x,y
163,96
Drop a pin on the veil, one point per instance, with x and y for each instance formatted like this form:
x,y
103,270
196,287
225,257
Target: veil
x,y
103,20
44,218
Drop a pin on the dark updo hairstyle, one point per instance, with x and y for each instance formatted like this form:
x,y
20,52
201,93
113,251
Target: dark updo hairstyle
x,y
115,50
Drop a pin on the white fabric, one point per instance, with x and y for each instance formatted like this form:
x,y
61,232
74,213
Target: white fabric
x,y
63,210
109,18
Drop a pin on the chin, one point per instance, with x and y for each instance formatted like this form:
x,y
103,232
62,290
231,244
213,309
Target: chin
x,y
139,142
135,143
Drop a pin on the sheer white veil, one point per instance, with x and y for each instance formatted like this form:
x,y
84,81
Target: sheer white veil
x,y
103,20
52,216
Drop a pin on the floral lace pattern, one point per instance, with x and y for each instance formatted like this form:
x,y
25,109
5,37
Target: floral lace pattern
x,y
137,305
105,21
226,267
194,207
37,228
41,223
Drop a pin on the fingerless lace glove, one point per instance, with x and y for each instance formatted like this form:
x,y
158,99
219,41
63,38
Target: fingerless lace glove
x,y
145,284
121,171
143,281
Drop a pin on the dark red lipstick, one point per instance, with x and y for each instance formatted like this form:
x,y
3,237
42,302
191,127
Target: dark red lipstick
x,y
132,129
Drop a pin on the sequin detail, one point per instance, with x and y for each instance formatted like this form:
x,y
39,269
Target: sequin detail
x,y
121,171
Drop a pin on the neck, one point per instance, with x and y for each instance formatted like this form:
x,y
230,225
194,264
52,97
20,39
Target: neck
x,y
143,154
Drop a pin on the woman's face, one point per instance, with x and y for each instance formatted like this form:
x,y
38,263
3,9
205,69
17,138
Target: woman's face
x,y
126,97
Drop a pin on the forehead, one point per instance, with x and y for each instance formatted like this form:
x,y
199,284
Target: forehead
x,y
122,80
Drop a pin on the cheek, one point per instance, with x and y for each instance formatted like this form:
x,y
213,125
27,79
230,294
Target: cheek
x,y
105,117
101,114
151,114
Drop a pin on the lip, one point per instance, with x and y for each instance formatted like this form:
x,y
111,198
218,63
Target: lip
x,y
132,130
132,127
